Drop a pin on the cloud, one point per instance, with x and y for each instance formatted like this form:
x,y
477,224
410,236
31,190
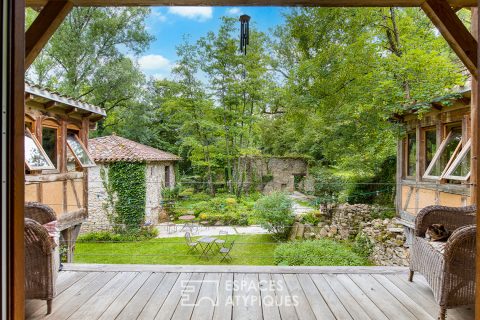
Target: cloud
x,y
158,15
152,63
234,11
194,13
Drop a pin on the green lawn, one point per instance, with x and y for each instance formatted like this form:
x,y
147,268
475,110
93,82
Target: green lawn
x,y
248,250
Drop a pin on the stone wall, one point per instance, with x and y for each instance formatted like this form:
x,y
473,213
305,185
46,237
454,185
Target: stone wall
x,y
99,208
383,239
269,174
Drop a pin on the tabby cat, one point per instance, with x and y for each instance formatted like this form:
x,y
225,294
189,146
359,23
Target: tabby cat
x,y
437,232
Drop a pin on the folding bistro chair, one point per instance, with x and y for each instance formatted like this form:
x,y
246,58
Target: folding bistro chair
x,y
192,245
171,225
223,238
225,251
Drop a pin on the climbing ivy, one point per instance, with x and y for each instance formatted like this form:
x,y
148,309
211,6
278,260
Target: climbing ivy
x,y
128,182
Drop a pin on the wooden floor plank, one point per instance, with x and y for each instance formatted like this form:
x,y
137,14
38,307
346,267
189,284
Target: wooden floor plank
x,y
287,311
381,297
246,297
158,297
334,303
64,306
116,307
223,309
352,306
190,291
207,298
317,303
418,311
267,294
64,297
370,308
170,304
304,311
101,300
143,295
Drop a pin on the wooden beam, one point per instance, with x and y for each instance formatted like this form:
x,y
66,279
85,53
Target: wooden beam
x,y
475,151
51,104
285,3
44,26
71,111
454,31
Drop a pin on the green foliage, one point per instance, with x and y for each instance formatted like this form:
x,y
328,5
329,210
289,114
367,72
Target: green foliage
x,y
312,217
362,245
186,193
127,180
222,208
377,189
323,252
327,185
276,214
144,233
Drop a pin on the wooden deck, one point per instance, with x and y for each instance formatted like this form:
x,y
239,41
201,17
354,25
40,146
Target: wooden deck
x,y
239,292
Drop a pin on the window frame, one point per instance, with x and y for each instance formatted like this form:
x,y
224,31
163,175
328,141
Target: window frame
x,y
423,148
438,154
406,157
84,149
51,123
459,157
42,151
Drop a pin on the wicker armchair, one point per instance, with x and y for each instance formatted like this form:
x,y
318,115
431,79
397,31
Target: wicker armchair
x,y
40,268
449,267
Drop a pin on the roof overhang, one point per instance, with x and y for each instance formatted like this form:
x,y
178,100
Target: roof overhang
x,y
293,3
53,100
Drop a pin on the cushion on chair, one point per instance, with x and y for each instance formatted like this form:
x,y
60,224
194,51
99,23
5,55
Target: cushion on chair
x,y
438,246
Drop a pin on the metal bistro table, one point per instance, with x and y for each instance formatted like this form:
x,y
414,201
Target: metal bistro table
x,y
188,222
206,243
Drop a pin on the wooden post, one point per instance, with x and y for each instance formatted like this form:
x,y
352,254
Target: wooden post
x,y
475,172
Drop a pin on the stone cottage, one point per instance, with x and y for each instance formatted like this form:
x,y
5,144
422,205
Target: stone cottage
x,y
159,174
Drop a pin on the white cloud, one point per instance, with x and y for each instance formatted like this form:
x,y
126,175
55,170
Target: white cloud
x,y
159,15
154,62
234,11
194,13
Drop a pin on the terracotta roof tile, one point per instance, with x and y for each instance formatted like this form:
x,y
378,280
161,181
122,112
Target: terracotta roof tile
x,y
114,148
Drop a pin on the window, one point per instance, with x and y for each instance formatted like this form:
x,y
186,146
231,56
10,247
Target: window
x,y
79,151
411,154
167,176
450,161
430,146
460,168
35,156
49,143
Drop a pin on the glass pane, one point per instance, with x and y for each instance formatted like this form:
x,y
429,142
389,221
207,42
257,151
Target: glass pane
x,y
71,162
463,167
79,151
452,143
430,146
33,156
49,143
412,154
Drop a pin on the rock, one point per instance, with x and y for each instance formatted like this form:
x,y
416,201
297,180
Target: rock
x,y
309,235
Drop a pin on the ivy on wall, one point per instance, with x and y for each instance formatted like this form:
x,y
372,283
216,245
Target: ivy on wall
x,y
128,182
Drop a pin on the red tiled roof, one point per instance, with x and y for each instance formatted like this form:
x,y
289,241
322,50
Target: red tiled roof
x,y
114,148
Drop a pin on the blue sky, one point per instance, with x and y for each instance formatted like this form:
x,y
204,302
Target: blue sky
x,y
170,24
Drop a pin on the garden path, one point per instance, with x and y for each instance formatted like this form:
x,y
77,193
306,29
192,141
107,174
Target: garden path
x,y
298,207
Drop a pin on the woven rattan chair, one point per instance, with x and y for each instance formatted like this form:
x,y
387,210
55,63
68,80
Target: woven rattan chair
x,y
40,269
449,267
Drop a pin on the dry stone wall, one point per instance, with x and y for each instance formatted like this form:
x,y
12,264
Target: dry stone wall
x,y
384,239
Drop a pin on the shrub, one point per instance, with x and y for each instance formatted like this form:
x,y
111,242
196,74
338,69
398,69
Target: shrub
x,y
362,245
276,214
144,233
323,252
187,193
312,217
